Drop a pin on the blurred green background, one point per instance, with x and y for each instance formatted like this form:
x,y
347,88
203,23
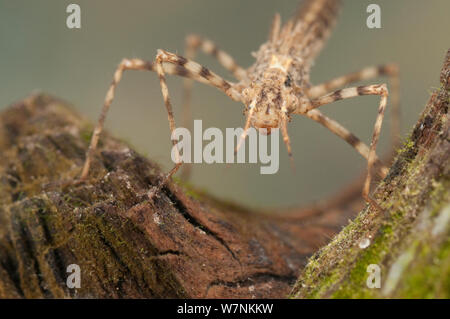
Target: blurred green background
x,y
38,52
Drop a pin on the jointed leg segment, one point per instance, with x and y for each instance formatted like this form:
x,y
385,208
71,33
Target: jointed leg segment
x,y
369,73
370,154
126,64
323,94
193,44
347,136
389,70
165,62
160,58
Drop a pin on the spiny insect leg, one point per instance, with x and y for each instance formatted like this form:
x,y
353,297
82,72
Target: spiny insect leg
x,y
195,69
202,74
193,44
349,93
125,64
170,64
389,70
339,130
160,58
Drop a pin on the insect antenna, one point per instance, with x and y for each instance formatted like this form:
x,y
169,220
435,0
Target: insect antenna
x,y
246,128
287,140
275,28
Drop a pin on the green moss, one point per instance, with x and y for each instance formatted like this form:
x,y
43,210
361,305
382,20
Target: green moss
x,y
188,188
339,270
440,191
86,133
74,201
320,276
430,276
354,285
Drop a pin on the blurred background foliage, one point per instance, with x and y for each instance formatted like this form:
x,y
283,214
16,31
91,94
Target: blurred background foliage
x,y
38,52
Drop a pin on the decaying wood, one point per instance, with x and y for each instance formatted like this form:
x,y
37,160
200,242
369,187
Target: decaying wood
x,y
189,244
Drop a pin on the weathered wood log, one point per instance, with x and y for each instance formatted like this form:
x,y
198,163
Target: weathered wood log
x,y
182,244
411,242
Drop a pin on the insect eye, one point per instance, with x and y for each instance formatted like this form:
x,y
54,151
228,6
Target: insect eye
x,y
287,83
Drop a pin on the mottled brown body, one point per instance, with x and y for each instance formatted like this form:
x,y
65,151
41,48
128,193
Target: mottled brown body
x,y
299,40
276,86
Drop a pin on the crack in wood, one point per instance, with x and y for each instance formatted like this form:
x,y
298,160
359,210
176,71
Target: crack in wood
x,y
196,223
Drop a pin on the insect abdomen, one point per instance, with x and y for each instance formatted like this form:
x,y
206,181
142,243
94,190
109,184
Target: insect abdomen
x,y
305,34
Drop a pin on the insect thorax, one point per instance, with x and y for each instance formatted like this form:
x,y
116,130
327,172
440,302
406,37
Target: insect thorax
x,y
276,85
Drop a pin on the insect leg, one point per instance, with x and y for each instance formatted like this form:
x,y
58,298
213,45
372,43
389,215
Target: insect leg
x,y
193,44
173,65
350,138
389,70
196,70
160,57
125,64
